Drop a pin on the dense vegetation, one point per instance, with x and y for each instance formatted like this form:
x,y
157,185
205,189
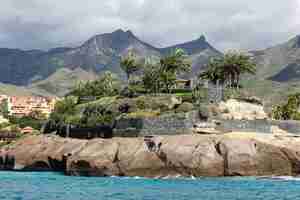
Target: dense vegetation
x,y
107,85
289,110
99,102
146,78
26,121
229,69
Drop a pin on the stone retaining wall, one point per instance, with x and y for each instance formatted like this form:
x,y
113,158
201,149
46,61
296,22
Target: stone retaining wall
x,y
173,124
259,126
176,124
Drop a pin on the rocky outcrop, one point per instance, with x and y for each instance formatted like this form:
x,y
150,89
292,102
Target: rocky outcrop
x,y
241,110
187,155
247,157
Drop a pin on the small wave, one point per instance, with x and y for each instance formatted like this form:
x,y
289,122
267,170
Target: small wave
x,y
280,178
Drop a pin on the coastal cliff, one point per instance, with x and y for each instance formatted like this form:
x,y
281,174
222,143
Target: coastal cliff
x,y
233,154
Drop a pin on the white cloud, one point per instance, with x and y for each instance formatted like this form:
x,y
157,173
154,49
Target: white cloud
x,y
227,24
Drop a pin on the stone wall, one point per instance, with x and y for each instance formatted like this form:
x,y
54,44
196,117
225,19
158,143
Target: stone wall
x,y
173,124
176,124
259,126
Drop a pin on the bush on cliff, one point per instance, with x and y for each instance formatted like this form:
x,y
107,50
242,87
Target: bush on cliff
x,y
143,114
26,121
95,115
288,111
185,107
64,109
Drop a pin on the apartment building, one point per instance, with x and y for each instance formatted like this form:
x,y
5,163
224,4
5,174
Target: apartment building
x,y
25,105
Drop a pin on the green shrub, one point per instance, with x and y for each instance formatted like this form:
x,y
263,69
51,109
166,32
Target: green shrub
x,y
64,109
141,103
185,107
204,111
176,91
288,111
4,125
25,121
200,95
232,94
107,85
94,115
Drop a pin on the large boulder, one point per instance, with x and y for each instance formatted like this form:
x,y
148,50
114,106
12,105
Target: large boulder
x,y
241,110
41,153
248,157
186,155
98,158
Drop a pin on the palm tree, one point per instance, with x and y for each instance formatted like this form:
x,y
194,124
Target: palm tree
x,y
229,68
235,64
214,71
129,64
151,76
173,65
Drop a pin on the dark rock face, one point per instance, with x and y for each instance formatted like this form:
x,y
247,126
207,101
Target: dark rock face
x,y
7,162
192,47
281,60
297,42
290,72
186,155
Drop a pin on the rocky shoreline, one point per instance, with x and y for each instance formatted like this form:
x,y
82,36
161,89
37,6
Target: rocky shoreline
x,y
233,154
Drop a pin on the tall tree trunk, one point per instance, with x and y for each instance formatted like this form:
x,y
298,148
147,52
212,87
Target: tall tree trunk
x,y
237,81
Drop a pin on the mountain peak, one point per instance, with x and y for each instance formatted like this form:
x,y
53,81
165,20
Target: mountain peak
x,y
295,42
122,33
192,47
119,31
202,38
129,32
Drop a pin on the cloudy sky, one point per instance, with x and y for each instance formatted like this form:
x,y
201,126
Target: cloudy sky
x,y
227,24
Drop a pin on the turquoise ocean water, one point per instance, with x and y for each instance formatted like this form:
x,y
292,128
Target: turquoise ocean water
x,y
52,186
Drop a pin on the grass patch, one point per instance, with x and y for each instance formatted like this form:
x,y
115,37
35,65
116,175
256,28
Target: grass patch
x,y
184,94
105,101
143,114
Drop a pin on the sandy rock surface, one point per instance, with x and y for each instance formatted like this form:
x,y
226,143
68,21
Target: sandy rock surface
x,y
239,110
231,154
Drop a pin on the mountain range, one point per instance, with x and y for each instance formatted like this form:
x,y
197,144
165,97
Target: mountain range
x,y
55,71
